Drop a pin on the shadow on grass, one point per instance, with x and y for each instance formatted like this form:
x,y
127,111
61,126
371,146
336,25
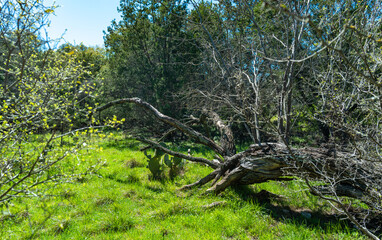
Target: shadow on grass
x,y
128,179
285,213
122,144
305,216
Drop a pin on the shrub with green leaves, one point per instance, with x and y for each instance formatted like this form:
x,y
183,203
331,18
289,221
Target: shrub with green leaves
x,y
160,160
43,91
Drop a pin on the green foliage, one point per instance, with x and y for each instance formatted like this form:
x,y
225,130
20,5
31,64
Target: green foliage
x,y
154,163
150,55
237,56
93,59
43,91
174,163
157,163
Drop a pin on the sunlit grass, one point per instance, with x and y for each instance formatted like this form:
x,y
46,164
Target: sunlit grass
x,y
122,201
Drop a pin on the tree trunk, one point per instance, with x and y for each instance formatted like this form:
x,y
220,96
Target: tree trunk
x,y
339,174
271,161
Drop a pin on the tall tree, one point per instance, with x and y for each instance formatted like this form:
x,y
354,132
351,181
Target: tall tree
x,y
150,52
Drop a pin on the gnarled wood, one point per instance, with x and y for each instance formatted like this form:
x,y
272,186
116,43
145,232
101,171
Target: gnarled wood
x,y
344,174
227,141
195,135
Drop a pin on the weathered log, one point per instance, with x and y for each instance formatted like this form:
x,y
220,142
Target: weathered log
x,y
342,173
346,175
227,140
268,162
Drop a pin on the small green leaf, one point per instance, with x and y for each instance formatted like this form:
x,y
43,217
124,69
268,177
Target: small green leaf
x,y
49,10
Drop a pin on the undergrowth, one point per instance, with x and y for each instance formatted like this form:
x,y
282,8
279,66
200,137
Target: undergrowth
x,y
122,201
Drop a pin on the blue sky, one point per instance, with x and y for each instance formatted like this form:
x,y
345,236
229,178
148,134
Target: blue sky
x,y
84,20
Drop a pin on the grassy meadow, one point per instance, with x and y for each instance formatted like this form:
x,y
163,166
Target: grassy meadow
x,y
122,201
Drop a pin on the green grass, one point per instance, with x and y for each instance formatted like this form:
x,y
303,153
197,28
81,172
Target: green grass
x,y
123,202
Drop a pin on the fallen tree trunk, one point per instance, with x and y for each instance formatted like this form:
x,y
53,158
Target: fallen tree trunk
x,y
268,161
275,161
341,174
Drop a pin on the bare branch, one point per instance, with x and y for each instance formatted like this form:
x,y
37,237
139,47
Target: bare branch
x,y
177,154
196,136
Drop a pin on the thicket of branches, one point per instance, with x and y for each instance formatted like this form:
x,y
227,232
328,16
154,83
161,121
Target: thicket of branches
x,y
280,73
45,93
299,80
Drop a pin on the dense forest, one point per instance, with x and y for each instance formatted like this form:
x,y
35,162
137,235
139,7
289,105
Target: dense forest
x,y
298,83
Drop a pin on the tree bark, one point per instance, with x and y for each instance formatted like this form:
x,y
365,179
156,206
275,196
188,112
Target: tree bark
x,y
227,140
271,161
